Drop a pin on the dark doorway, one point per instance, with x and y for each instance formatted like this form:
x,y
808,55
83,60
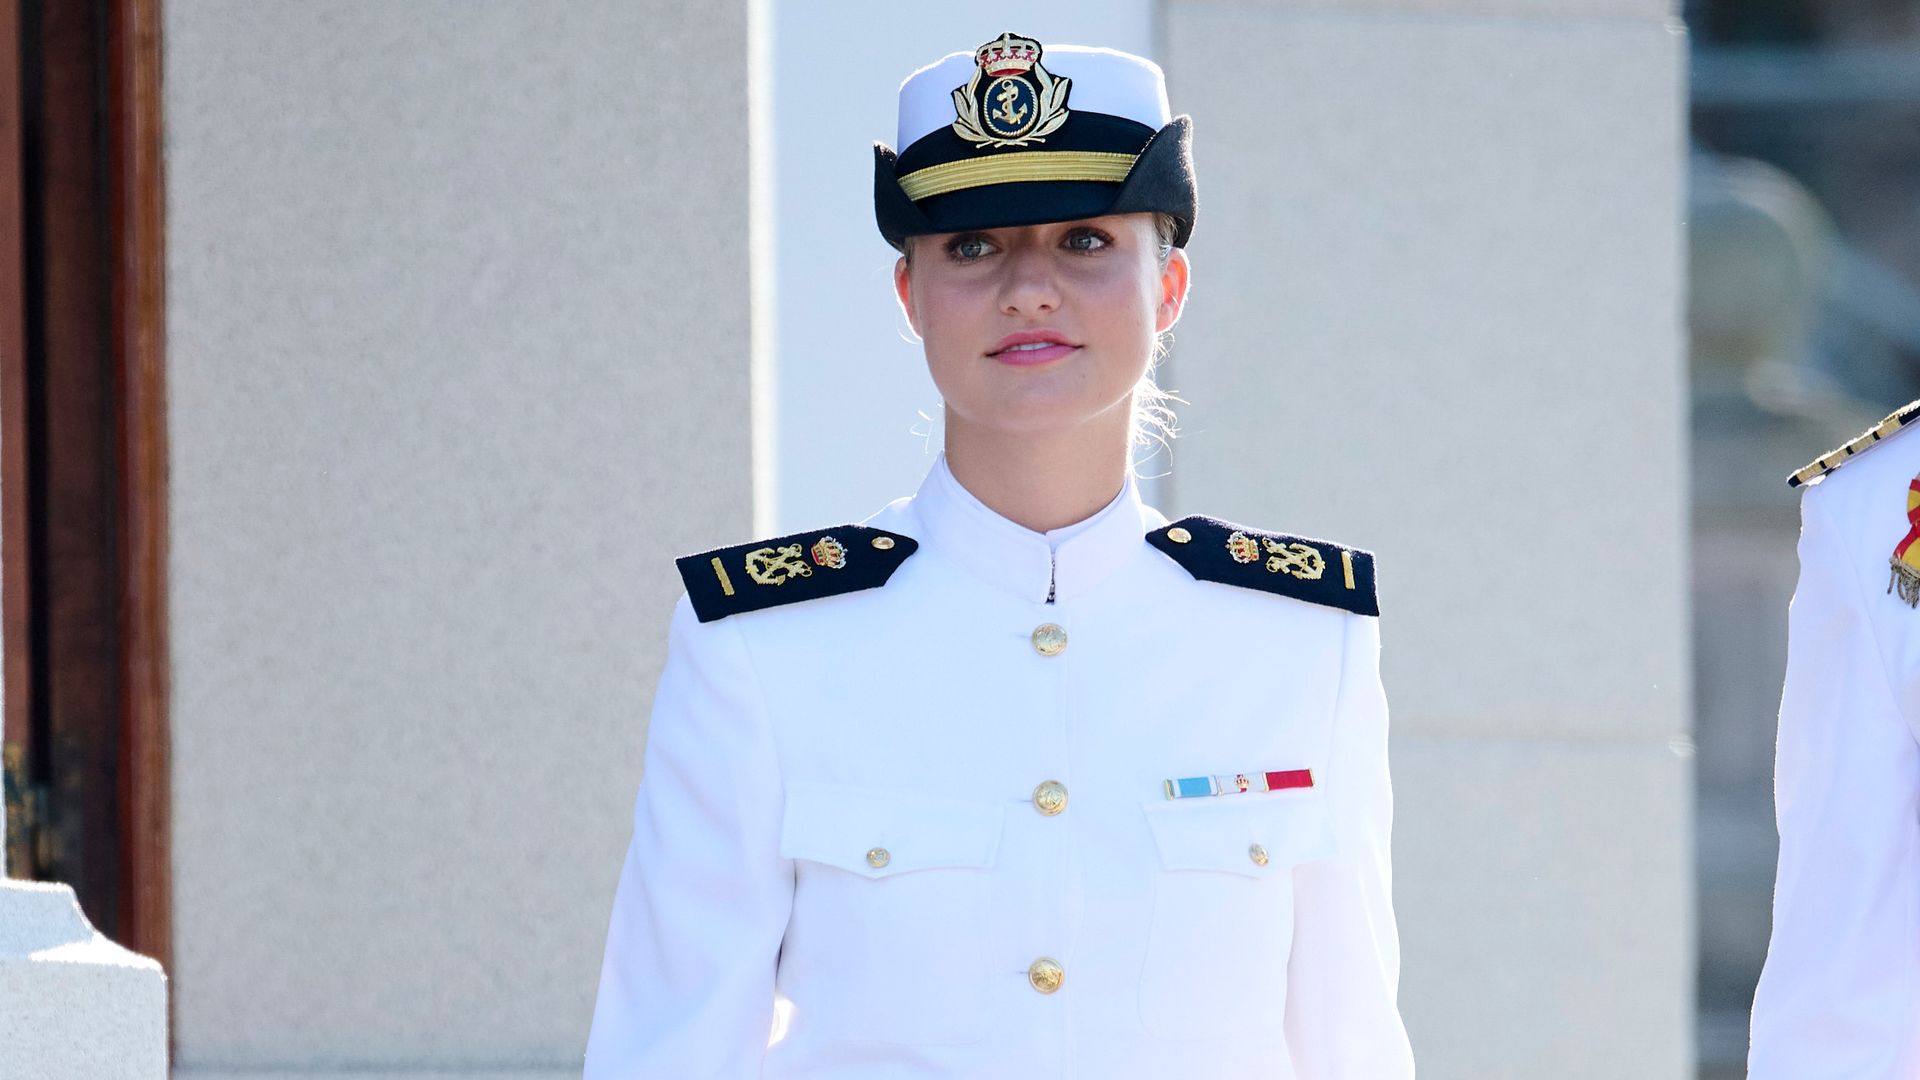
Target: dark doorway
x,y
82,481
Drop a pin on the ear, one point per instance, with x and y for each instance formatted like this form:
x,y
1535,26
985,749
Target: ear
x,y
1173,291
903,291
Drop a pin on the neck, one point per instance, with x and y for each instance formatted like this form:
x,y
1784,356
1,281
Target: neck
x,y
1042,481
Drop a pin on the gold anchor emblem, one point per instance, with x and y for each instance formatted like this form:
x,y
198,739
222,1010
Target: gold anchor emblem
x,y
1010,112
1303,562
773,566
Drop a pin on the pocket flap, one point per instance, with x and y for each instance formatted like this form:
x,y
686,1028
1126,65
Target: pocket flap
x,y
1289,828
840,825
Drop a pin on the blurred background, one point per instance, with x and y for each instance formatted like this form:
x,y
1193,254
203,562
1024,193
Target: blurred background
x,y
1804,328
363,367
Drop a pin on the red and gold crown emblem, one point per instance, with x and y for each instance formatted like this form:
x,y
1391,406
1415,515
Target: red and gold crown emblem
x,y
1243,548
1007,55
829,553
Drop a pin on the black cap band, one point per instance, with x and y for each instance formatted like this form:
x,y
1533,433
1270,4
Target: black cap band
x,y
1094,164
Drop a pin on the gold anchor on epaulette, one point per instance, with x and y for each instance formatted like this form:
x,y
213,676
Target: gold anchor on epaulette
x,y
1297,560
773,566
1303,562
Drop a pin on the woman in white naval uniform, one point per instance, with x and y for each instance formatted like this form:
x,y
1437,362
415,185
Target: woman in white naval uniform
x,y
1017,778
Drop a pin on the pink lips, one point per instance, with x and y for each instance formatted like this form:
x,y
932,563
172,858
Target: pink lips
x,y
1030,347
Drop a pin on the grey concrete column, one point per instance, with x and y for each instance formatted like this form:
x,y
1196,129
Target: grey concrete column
x,y
459,360
1437,312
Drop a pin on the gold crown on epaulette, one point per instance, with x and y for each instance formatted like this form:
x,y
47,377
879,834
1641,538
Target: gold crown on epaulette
x,y
1008,55
830,553
1243,548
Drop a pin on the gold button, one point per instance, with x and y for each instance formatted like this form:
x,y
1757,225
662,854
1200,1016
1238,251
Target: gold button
x,y
1050,797
883,543
1258,854
1045,975
1179,535
1049,639
878,858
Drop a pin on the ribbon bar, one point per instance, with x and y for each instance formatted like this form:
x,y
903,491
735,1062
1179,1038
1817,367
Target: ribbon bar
x,y
1238,783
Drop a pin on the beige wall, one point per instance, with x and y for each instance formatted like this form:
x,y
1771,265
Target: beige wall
x,y
449,388
1436,312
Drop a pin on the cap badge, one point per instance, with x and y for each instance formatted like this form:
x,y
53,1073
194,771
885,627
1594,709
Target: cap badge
x,y
1906,555
1011,100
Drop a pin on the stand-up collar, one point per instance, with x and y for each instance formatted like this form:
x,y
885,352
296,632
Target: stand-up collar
x,y
1013,557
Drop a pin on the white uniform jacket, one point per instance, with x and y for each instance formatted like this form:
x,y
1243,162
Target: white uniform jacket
x,y
1839,998
839,811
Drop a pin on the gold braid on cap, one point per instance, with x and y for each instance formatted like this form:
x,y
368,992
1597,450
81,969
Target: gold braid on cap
x,y
1024,167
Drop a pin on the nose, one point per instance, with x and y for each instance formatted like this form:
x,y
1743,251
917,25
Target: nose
x,y
1029,287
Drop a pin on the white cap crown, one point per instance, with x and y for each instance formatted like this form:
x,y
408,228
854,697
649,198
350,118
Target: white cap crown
x,y
1104,81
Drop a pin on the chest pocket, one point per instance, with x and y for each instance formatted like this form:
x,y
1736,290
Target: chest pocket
x,y
1222,928
889,938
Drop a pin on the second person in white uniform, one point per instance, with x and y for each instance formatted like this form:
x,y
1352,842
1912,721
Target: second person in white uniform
x,y
1839,998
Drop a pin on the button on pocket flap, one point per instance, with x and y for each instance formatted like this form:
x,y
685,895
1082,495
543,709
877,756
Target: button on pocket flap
x,y
1242,834
879,833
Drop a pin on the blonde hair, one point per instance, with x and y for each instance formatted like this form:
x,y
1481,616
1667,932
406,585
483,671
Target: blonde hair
x,y
1153,419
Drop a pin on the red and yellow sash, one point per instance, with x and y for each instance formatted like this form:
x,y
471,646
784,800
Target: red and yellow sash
x,y
1906,556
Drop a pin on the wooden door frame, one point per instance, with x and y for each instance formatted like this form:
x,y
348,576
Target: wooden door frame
x,y
14,579
133,166
138,209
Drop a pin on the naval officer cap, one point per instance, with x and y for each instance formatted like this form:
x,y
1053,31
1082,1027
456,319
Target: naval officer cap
x,y
1017,134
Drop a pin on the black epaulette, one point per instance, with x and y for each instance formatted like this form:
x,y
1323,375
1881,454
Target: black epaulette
x,y
1866,440
1305,569
804,566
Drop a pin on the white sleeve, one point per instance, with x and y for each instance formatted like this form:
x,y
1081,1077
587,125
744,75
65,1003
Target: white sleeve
x,y
687,984
1840,995
1342,981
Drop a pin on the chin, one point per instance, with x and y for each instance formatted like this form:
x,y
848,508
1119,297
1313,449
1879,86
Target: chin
x,y
1042,401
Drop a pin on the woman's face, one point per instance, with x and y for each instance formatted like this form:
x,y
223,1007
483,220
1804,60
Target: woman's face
x,y
1041,328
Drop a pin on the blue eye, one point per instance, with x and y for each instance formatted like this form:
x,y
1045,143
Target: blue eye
x,y
1087,240
969,246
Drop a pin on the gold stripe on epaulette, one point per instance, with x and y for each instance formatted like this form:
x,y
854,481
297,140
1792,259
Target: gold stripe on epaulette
x,y
1835,458
1030,165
